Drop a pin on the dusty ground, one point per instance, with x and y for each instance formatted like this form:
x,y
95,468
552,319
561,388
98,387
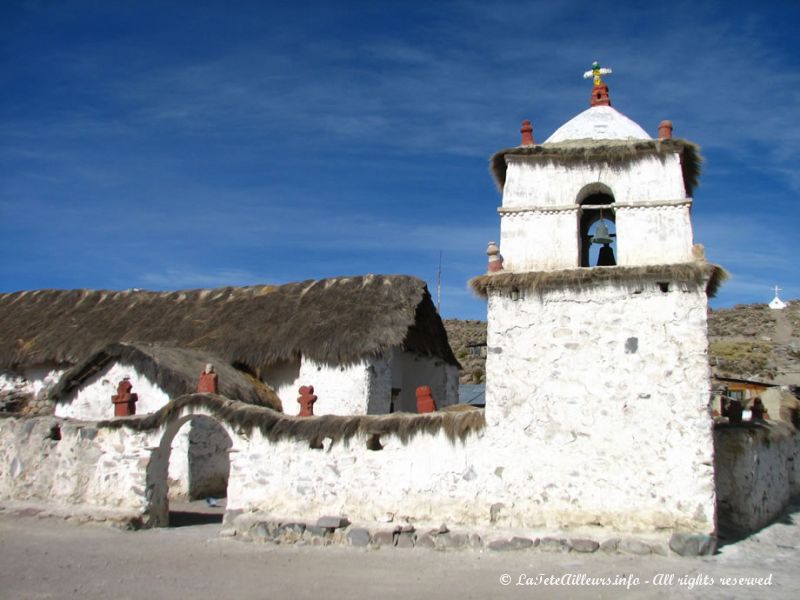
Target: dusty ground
x,y
50,558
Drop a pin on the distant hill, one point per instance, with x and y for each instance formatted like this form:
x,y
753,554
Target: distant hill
x,y
461,334
752,341
748,341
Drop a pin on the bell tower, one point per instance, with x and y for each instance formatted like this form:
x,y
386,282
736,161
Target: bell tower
x,y
597,365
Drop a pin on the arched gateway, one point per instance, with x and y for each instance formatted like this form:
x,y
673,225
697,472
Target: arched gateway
x,y
207,462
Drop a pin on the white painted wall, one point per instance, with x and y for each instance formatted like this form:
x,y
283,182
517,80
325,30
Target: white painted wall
x,y
91,401
283,378
178,470
340,389
32,380
100,468
410,370
199,463
607,391
539,240
654,235
430,480
537,183
540,214
365,386
556,467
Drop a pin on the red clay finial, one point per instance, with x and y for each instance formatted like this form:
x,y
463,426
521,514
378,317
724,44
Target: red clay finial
x,y
124,401
665,130
600,96
527,134
425,401
495,259
600,90
306,401
208,382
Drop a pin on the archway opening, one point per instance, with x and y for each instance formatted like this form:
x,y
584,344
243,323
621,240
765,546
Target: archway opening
x,y
597,208
188,473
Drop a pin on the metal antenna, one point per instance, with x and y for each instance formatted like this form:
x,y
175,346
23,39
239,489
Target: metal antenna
x,y
439,286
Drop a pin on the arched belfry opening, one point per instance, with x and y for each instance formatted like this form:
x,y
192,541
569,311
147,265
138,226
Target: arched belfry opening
x,y
597,232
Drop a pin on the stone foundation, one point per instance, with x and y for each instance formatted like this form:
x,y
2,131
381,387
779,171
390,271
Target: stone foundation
x,y
327,531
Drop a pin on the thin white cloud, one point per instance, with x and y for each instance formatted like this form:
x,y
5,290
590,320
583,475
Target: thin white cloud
x,y
190,277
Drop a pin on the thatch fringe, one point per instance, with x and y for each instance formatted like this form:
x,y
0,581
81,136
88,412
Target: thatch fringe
x,y
334,321
695,273
175,370
607,152
457,425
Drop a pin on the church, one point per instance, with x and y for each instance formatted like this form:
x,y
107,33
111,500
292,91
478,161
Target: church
x,y
597,419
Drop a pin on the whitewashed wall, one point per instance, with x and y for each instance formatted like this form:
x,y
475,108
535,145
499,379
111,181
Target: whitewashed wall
x,y
88,466
540,215
539,240
340,389
508,475
550,184
650,235
410,370
91,401
199,463
365,387
32,380
606,389
283,378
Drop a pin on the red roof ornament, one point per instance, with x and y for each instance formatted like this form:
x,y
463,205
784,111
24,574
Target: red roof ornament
x,y
600,95
527,134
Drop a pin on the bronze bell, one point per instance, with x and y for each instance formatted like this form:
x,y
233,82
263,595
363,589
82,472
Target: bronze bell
x,y
601,236
605,257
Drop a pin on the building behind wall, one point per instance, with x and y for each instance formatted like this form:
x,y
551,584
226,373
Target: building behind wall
x,y
365,343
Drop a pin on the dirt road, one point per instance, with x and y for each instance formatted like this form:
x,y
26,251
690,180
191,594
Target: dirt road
x,y
50,558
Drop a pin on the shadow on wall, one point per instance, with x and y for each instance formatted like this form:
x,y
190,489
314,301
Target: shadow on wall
x,y
757,476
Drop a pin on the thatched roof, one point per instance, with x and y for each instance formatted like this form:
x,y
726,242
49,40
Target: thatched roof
x,y
174,370
606,152
335,321
456,424
695,273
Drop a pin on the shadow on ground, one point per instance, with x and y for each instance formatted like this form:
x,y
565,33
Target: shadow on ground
x,y
728,536
187,519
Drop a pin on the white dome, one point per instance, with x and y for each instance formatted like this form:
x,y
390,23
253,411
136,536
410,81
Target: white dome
x,y
598,123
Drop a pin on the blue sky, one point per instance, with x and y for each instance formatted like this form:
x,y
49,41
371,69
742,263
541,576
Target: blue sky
x,y
168,145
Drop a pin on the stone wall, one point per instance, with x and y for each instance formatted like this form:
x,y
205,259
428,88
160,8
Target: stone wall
x,y
757,472
199,463
603,393
69,463
525,473
27,391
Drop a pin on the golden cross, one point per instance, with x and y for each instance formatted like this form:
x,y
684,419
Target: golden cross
x,y
596,72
